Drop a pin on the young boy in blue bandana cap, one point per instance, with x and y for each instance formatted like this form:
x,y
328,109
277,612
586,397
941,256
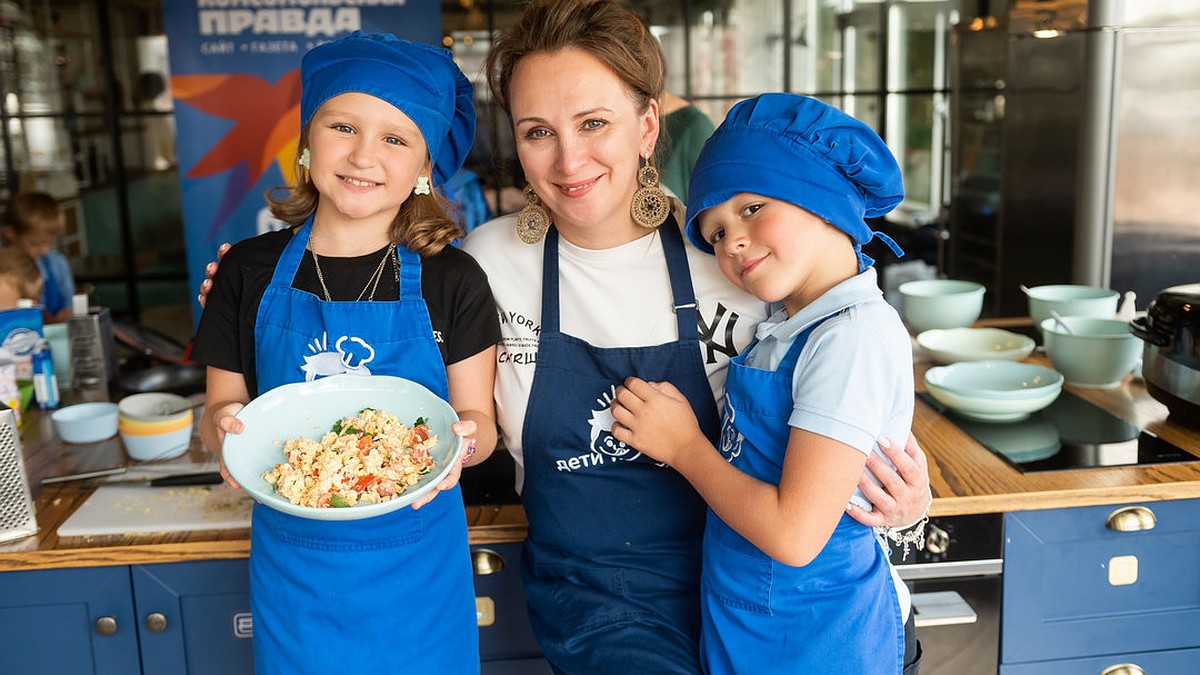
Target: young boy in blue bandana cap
x,y
365,281
791,584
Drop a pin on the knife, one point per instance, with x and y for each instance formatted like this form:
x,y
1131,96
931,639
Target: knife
x,y
202,478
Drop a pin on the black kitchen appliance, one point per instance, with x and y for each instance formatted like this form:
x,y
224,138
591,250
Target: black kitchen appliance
x,y
1171,354
1070,433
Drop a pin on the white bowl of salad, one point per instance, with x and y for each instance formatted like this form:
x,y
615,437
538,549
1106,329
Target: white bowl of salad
x,y
343,447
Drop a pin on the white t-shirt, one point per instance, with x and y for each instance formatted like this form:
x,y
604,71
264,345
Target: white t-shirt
x,y
617,297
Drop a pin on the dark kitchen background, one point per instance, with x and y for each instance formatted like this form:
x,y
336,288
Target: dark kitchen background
x,y
1042,141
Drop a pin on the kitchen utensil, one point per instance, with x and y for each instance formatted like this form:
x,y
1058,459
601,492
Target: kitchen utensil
x,y
994,391
1171,353
184,380
17,518
1062,325
1091,352
85,422
172,480
940,303
131,509
93,354
309,409
112,471
949,345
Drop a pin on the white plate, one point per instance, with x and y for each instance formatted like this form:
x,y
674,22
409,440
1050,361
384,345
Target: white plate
x,y
994,391
309,409
950,345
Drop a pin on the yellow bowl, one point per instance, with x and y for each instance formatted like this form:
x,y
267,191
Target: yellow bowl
x,y
134,427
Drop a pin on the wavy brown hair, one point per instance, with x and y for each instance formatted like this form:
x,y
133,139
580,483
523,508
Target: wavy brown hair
x,y
424,224
602,28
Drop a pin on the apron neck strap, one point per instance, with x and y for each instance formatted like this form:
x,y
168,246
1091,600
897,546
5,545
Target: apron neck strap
x,y
788,364
293,253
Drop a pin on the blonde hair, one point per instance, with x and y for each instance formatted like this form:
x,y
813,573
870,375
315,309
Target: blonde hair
x,y
20,271
33,213
602,28
423,225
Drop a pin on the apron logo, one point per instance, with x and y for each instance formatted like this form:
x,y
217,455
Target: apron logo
x,y
350,354
602,423
731,439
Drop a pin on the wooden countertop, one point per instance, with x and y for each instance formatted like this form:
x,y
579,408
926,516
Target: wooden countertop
x,y
966,478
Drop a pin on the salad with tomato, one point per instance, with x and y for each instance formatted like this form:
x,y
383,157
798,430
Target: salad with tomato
x,y
366,458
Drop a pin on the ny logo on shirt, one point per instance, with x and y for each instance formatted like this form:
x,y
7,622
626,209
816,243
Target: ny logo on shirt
x,y
724,321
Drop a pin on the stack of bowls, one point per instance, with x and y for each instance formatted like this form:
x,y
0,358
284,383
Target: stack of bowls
x,y
1071,300
1091,352
155,425
940,303
994,391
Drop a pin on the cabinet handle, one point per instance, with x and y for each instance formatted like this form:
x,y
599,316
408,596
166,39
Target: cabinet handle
x,y
1123,669
1131,519
106,625
486,561
156,622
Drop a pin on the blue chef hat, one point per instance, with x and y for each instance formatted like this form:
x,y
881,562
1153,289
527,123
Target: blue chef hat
x,y
802,151
422,81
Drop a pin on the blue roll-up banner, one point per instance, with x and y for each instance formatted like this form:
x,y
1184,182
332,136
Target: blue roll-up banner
x,y
235,80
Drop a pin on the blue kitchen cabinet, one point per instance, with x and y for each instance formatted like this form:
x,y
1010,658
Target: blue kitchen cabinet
x,y
506,642
77,621
168,619
1102,586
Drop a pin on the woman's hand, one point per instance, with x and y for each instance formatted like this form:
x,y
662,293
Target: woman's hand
x,y
466,429
213,427
652,417
904,496
210,270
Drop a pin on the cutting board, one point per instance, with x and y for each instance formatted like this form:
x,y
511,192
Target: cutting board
x,y
121,509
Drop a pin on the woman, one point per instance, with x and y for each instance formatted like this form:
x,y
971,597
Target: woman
x,y
612,561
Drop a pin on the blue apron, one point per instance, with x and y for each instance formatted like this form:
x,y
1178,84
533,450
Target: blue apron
x,y
839,613
390,594
612,560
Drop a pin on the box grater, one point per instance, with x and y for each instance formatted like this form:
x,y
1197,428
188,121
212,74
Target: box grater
x,y
93,354
17,518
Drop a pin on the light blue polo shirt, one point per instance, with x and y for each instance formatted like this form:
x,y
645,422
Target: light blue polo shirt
x,y
854,379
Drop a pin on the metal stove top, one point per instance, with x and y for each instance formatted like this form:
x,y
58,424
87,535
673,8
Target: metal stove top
x,y
1069,434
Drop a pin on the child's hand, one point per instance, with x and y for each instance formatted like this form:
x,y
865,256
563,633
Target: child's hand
x,y
466,429
654,418
223,421
210,270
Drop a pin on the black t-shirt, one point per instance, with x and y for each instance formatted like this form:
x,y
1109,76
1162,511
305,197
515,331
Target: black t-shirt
x,y
456,292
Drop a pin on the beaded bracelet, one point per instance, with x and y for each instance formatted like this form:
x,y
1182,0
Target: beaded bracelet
x,y
471,451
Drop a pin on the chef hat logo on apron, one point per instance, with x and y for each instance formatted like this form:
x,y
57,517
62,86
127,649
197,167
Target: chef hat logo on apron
x,y
350,354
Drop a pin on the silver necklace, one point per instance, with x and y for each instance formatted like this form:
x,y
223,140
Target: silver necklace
x,y
372,282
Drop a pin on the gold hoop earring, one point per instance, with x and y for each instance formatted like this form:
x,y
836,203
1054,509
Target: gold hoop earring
x,y
532,221
650,205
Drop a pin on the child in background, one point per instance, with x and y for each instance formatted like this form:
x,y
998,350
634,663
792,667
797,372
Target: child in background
x,y
33,222
19,277
364,281
791,583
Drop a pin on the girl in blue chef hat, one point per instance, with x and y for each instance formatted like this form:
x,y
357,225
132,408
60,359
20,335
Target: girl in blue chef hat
x,y
791,583
364,281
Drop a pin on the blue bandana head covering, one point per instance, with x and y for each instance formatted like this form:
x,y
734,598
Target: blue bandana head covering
x,y
423,82
802,151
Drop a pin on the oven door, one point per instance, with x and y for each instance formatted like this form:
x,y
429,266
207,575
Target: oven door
x,y
956,587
